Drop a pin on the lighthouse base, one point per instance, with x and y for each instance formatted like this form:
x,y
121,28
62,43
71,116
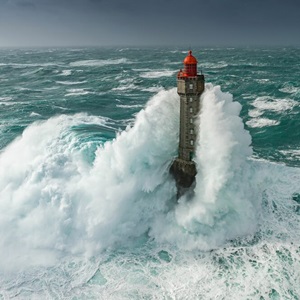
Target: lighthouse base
x,y
184,173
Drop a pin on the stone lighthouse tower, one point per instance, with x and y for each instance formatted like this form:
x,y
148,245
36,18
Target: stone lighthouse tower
x,y
190,86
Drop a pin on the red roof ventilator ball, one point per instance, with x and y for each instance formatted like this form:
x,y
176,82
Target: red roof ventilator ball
x,y
190,66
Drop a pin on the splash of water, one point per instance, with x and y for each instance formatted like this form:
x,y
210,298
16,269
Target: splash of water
x,y
53,201
225,201
57,202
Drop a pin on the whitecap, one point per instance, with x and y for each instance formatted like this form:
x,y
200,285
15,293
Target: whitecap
x,y
130,106
273,104
173,63
153,89
157,74
26,65
217,65
254,113
66,72
34,114
292,154
126,80
4,99
290,89
125,87
51,88
99,63
261,122
141,70
262,80
7,103
77,92
71,82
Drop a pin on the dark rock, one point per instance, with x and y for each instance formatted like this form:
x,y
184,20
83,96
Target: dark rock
x,y
184,173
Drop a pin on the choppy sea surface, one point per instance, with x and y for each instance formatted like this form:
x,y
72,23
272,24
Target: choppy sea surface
x,y
87,206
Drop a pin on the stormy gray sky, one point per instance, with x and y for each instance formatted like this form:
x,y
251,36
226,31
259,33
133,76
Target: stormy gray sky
x,y
149,22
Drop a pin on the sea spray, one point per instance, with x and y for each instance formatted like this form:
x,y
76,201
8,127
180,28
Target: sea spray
x,y
55,201
225,202
130,180
40,200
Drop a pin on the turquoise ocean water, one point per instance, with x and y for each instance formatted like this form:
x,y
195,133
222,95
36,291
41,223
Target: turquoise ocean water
x,y
87,206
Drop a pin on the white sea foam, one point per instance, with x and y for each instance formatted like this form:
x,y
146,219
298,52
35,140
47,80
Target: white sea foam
x,y
78,92
254,113
263,80
127,84
157,74
99,63
130,86
261,122
20,88
71,82
267,103
217,65
124,49
66,73
51,88
130,106
248,96
126,80
153,89
290,89
141,70
295,153
30,65
273,104
174,63
5,103
34,114
4,99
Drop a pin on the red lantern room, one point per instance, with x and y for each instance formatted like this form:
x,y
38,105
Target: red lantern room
x,y
190,66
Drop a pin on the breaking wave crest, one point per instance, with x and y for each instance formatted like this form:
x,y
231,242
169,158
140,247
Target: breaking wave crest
x,y
56,202
224,203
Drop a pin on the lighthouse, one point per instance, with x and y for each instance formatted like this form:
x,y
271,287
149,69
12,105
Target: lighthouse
x,y
190,86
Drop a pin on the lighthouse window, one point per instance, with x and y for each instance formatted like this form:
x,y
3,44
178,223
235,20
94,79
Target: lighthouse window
x,y
192,142
191,131
191,121
191,109
191,86
191,99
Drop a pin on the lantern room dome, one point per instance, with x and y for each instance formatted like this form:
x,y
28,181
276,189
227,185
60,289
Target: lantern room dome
x,y
190,59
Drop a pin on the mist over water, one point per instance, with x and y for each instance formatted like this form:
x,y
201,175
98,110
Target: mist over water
x,y
86,212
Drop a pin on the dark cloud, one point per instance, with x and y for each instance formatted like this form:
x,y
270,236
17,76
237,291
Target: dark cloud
x,y
25,4
151,22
